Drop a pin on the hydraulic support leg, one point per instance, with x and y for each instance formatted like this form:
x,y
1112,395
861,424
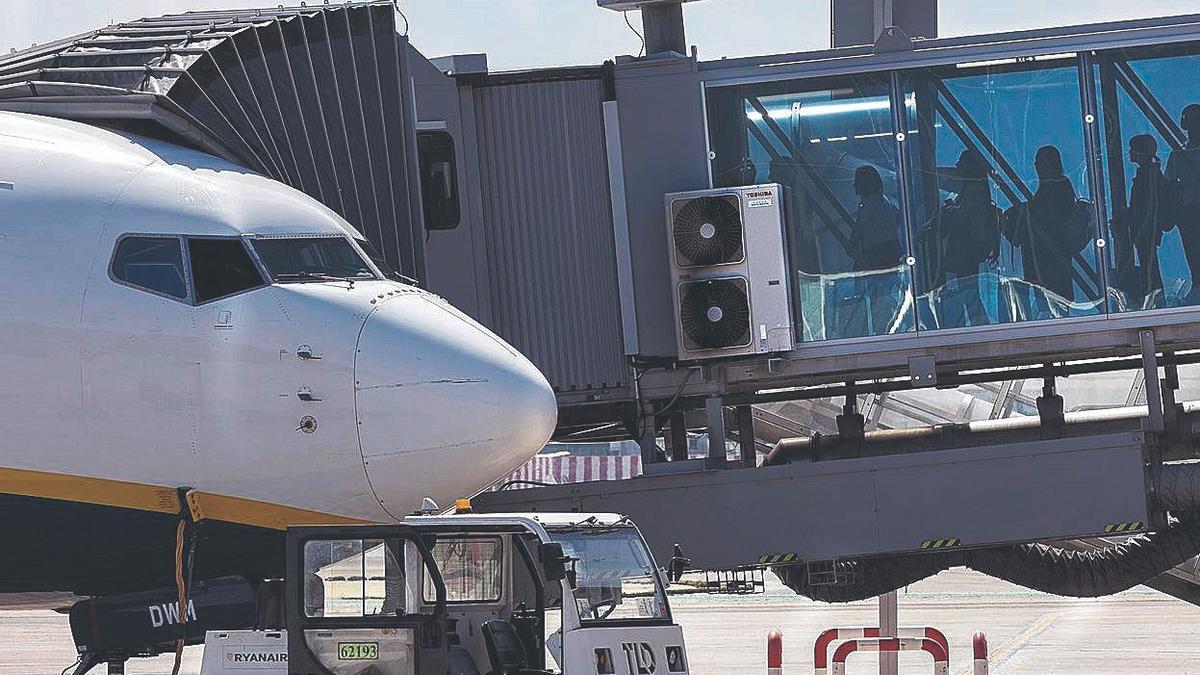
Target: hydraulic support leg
x,y
1154,392
851,424
1050,409
1159,395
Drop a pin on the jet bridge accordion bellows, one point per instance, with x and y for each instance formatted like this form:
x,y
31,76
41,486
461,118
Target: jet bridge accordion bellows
x,y
729,272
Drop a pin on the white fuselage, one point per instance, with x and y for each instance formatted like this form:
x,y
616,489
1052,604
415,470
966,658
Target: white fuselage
x,y
409,397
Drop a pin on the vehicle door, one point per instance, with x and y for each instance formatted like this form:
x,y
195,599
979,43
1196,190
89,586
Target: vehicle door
x,y
346,603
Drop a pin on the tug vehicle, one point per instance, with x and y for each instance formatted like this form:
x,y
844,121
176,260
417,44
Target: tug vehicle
x,y
458,594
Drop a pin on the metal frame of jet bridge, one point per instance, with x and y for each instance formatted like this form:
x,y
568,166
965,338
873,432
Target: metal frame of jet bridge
x,y
859,494
1074,478
667,145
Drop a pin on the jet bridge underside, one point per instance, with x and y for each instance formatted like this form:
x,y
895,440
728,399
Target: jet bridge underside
x,y
1032,490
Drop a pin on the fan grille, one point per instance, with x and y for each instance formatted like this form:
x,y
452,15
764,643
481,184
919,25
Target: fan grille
x,y
707,231
715,314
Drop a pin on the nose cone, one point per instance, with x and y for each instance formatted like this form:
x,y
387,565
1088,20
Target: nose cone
x,y
444,406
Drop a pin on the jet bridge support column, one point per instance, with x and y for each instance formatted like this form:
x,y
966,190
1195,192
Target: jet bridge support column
x,y
648,437
714,409
678,438
745,422
662,24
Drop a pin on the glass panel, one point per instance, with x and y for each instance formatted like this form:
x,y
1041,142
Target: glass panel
x,y
439,180
471,569
299,259
381,262
614,577
832,144
352,578
152,263
1002,193
1152,166
221,267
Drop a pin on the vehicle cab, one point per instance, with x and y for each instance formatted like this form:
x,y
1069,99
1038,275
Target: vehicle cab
x,y
476,594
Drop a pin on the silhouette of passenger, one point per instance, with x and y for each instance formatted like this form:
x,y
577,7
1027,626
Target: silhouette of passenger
x,y
875,231
1140,228
876,250
965,235
1183,175
1048,229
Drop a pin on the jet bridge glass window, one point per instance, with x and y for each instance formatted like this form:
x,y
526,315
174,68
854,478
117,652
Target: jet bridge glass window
x,y
833,143
305,259
221,267
1007,227
439,180
151,263
472,568
1149,104
352,578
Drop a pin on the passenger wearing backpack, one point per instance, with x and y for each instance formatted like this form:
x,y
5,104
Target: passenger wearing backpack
x,y
1050,229
964,236
1183,176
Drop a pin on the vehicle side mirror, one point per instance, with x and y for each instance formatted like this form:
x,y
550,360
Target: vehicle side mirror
x,y
554,561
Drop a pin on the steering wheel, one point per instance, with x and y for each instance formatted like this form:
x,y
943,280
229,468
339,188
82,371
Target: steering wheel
x,y
610,603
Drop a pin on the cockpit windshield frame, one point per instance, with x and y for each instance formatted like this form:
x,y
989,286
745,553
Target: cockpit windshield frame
x,y
369,272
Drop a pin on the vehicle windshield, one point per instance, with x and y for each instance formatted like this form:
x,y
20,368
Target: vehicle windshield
x,y
307,259
615,579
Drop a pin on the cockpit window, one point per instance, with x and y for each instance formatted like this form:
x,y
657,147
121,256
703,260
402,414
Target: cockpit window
x,y
380,262
151,263
302,259
221,267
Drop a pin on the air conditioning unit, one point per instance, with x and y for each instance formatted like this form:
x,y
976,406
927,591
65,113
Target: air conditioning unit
x,y
729,272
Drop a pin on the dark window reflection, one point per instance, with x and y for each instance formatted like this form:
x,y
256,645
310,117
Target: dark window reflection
x,y
832,144
1150,109
1002,194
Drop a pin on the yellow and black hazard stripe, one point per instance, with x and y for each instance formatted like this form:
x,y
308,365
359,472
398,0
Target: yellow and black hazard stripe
x,y
778,558
931,544
161,499
1118,528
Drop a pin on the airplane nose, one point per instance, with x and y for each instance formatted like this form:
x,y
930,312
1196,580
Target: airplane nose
x,y
444,406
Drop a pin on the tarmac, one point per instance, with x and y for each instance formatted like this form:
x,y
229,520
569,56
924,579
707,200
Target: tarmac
x,y
1139,631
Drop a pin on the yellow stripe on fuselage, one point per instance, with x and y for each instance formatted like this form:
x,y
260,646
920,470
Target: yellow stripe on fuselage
x,y
158,499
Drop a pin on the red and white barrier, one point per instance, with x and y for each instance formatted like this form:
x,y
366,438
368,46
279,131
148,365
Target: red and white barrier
x,y
980,646
941,658
774,653
824,640
562,467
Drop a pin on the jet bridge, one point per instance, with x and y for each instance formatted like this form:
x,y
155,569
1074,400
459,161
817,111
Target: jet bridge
x,y
846,515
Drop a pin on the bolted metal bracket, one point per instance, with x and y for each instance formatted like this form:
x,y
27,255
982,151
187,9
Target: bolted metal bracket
x,y
922,371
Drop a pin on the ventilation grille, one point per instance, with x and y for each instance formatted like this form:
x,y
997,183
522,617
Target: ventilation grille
x,y
707,231
715,314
